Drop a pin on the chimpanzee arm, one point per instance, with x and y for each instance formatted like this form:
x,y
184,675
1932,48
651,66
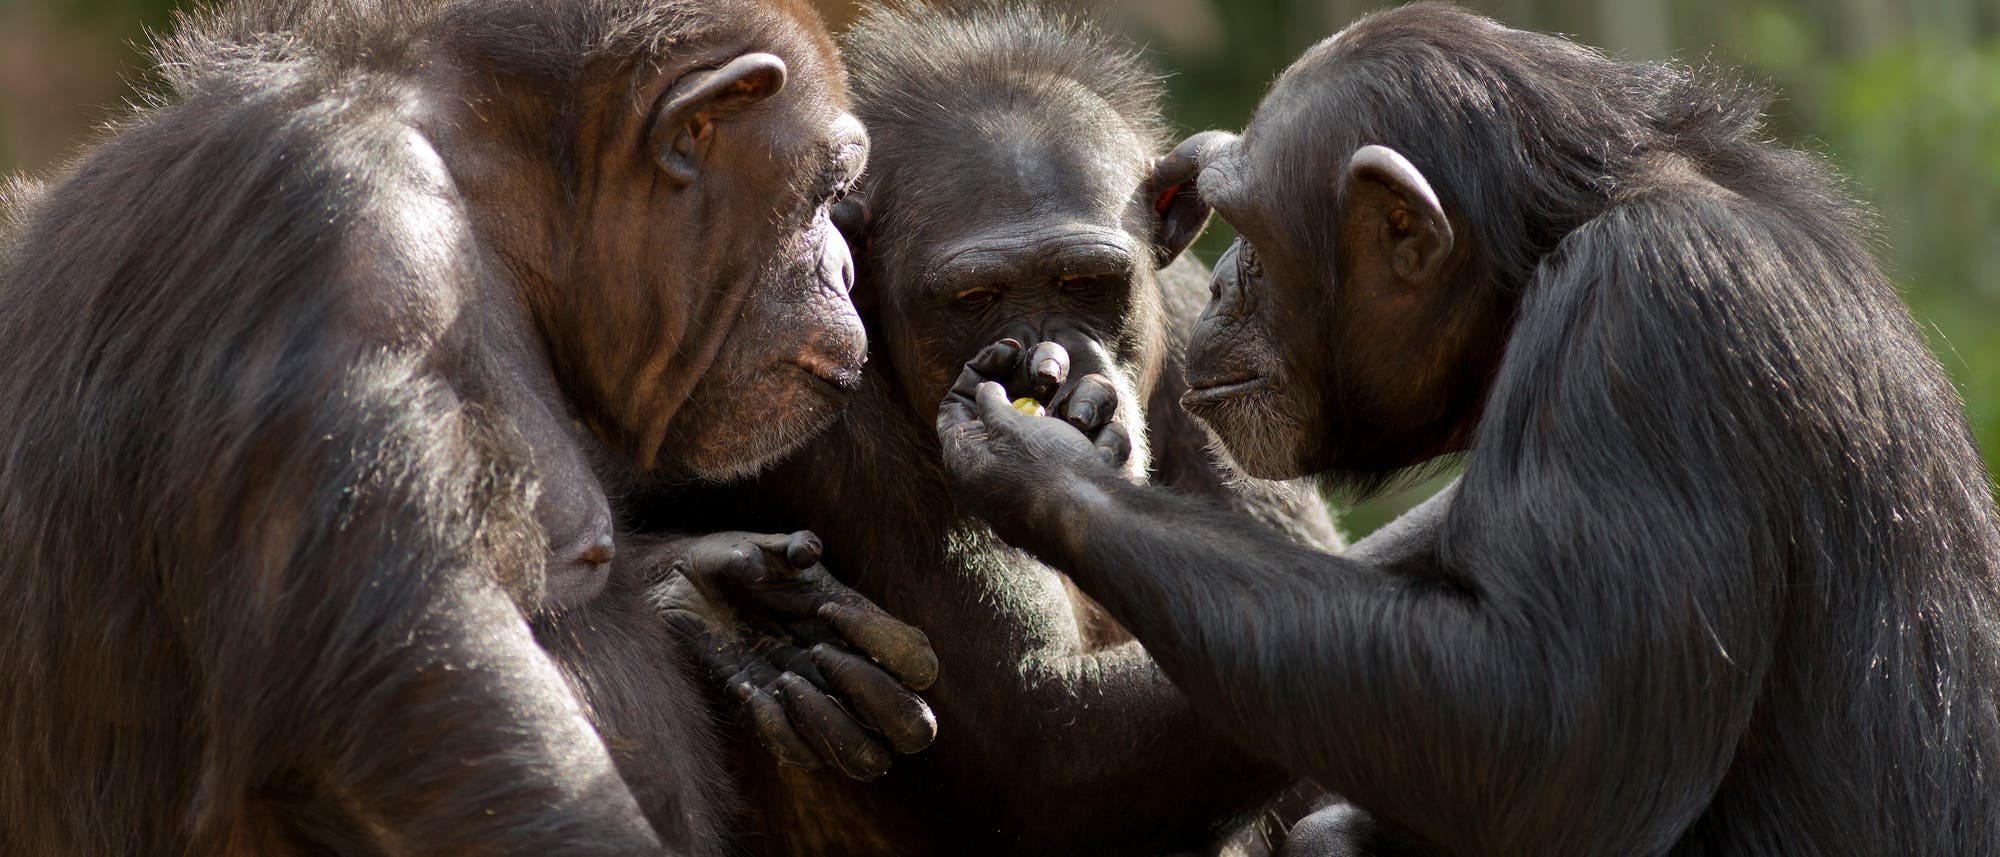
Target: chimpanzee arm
x,y
1351,675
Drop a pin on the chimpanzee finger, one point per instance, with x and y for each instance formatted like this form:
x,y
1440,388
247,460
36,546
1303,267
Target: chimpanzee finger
x,y
1044,369
884,705
789,658
995,362
803,549
734,562
831,731
765,719
953,413
743,674
725,660
992,407
1114,444
1087,404
902,650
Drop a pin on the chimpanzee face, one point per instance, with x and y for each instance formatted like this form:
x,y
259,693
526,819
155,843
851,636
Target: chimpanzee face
x,y
1013,229
1338,340
1256,358
692,289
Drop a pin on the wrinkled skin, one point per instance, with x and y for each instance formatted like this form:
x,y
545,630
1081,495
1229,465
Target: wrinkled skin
x,y
346,344
1681,563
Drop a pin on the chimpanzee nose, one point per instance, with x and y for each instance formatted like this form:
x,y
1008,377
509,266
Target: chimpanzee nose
x,y
1223,283
836,263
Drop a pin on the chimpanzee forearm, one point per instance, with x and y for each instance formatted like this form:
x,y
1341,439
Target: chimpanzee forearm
x,y
1351,674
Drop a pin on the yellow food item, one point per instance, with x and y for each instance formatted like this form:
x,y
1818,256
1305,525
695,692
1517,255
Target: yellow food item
x,y
1028,405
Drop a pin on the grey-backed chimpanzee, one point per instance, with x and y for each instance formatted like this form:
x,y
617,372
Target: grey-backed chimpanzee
x,y
1719,575
1004,197
290,358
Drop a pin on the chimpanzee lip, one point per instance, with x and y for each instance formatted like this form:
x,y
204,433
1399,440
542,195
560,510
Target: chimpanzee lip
x,y
841,377
1209,394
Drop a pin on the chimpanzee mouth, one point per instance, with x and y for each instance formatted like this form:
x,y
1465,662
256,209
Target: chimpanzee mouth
x,y
1215,394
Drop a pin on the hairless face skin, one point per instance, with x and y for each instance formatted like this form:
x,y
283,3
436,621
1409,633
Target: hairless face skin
x,y
1721,510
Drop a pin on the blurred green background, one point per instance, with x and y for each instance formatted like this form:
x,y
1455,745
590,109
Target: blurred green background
x,y
1905,96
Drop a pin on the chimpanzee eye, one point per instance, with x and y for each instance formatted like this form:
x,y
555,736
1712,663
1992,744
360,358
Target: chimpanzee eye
x,y
977,296
1083,282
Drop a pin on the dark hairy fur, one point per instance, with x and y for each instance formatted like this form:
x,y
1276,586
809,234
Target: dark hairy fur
x,y
267,503
1056,733
1719,577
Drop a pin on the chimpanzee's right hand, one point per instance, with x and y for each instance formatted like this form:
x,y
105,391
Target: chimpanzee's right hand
x,y
779,634
1015,470
1087,402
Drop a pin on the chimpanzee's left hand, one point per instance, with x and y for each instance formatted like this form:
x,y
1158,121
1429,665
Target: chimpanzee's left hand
x,y
812,669
1002,462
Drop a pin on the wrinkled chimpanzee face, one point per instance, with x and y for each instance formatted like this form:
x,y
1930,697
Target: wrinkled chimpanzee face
x,y
1261,348
1330,345
750,185
691,288
1034,227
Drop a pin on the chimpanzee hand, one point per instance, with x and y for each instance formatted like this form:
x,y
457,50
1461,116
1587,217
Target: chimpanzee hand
x,y
999,459
779,634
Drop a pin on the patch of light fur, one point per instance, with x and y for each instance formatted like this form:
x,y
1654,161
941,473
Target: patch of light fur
x,y
1267,428
769,442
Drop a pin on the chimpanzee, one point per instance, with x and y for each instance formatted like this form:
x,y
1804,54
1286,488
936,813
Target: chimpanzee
x,y
1719,575
1004,196
291,358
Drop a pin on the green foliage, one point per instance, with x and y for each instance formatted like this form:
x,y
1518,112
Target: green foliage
x,y
1916,123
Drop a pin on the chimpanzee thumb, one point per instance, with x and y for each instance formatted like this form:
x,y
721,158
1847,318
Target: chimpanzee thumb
x,y
990,400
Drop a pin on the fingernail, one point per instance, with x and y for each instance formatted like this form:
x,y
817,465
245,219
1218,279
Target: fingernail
x,y
1084,413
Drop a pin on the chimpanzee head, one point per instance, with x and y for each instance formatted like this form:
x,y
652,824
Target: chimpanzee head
x,y
665,209
1007,195
1393,194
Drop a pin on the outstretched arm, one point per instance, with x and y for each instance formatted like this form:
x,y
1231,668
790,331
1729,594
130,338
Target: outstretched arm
x,y
1474,685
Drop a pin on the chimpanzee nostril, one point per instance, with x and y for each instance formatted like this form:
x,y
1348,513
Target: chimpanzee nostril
x,y
599,552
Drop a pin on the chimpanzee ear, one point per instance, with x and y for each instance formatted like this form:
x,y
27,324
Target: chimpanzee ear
x,y
685,123
1391,202
1169,192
